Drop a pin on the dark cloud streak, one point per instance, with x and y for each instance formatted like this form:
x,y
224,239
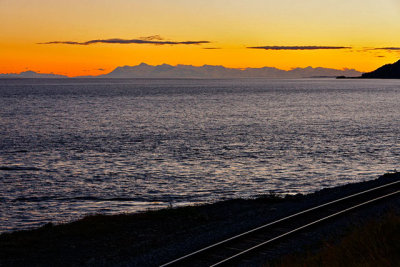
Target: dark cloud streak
x,y
154,40
299,47
388,48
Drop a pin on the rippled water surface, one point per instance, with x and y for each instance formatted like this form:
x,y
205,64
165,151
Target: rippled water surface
x,y
75,147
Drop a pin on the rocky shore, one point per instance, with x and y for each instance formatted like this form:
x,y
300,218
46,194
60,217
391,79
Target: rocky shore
x,y
154,237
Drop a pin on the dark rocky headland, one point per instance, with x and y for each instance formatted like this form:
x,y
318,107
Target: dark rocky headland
x,y
388,71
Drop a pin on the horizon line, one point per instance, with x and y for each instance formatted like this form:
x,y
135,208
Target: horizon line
x,y
176,65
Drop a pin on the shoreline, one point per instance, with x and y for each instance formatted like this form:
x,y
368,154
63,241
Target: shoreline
x,y
159,235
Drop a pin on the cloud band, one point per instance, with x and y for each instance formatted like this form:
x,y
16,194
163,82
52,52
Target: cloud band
x,y
299,47
388,48
154,40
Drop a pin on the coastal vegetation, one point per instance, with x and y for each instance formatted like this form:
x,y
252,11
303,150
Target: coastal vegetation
x,y
375,243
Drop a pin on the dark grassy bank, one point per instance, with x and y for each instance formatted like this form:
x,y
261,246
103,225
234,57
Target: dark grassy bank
x,y
375,243
110,239
154,237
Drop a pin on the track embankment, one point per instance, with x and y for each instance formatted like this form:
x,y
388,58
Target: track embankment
x,y
159,237
241,248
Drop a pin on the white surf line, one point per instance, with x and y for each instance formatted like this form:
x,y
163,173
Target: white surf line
x,y
302,227
274,222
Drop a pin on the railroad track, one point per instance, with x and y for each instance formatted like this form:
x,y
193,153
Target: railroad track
x,y
233,250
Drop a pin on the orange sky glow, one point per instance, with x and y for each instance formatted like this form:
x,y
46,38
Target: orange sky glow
x,y
359,34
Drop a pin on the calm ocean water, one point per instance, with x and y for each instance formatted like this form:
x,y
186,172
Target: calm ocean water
x,y
74,147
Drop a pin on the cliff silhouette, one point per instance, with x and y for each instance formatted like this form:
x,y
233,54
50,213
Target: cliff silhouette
x,y
389,71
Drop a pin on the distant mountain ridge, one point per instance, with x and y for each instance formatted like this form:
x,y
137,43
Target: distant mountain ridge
x,y
31,74
388,71
144,70
210,71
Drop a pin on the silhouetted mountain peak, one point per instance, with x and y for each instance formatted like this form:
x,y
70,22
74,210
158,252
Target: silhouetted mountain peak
x,y
164,67
28,72
217,71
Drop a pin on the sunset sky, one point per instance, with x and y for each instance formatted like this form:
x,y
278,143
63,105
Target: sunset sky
x,y
90,37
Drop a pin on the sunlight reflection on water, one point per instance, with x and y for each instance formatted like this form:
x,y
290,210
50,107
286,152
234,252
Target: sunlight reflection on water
x,y
86,146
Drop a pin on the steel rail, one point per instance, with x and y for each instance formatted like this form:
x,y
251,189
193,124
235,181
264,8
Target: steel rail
x,y
300,228
274,222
